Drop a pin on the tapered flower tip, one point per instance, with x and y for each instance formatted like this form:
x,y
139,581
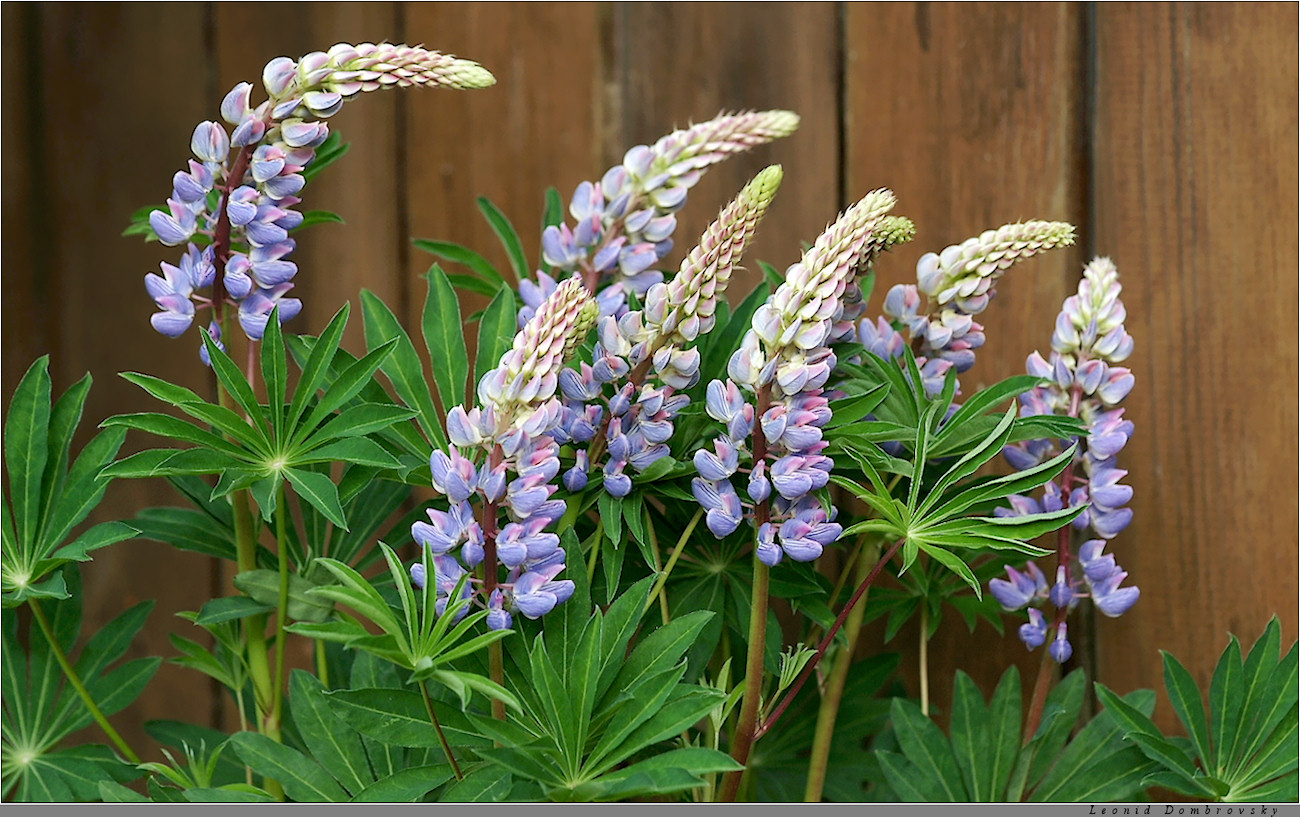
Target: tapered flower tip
x,y
468,74
780,122
762,188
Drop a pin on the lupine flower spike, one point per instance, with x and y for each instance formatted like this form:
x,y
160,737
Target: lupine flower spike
x,y
255,170
1080,380
624,222
644,346
937,314
784,361
503,453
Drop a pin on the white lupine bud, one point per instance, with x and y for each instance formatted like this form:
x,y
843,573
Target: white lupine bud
x,y
528,373
677,312
800,315
964,274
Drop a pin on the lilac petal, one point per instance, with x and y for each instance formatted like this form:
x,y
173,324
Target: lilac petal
x,y
171,324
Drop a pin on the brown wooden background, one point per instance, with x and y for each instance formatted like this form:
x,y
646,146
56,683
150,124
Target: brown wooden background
x,y
1168,133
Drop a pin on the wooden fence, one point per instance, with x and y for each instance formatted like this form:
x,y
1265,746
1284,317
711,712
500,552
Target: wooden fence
x,y
1168,133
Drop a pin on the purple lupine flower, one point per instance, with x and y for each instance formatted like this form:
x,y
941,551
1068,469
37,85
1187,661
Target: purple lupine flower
x,y
1060,648
640,360
1079,379
785,356
1034,633
514,426
536,593
272,143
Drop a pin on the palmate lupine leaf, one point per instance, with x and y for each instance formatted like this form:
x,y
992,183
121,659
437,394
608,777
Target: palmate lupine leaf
x,y
1246,747
47,498
982,760
589,705
932,520
40,709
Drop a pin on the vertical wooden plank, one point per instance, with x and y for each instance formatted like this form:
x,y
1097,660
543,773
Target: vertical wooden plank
x,y
971,114
1196,180
676,64
27,330
116,123
535,128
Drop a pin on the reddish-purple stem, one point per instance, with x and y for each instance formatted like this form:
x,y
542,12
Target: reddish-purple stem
x,y
826,642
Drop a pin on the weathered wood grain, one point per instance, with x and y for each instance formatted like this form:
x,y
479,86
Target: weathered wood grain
x,y
972,114
1196,201
110,146
676,64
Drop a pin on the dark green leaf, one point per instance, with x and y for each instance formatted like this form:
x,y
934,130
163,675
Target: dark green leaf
x,y
1186,699
319,490
406,786
303,779
275,372
333,744
230,608
263,586
924,745
444,335
462,255
509,238
26,447
404,369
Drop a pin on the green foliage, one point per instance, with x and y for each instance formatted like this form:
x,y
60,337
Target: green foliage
x,y
982,758
1245,750
589,706
419,640
933,515
47,499
41,709
281,441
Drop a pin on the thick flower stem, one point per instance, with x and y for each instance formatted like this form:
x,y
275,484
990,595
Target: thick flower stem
x,y
437,727
259,667
923,658
1039,700
71,674
771,720
743,738
496,660
829,708
282,609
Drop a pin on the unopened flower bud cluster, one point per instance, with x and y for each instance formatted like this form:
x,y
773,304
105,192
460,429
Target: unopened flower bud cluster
x,y
624,222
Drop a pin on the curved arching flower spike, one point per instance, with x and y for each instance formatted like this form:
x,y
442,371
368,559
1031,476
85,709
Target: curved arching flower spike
x,y
772,405
1080,380
936,316
232,209
623,224
621,406
503,456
